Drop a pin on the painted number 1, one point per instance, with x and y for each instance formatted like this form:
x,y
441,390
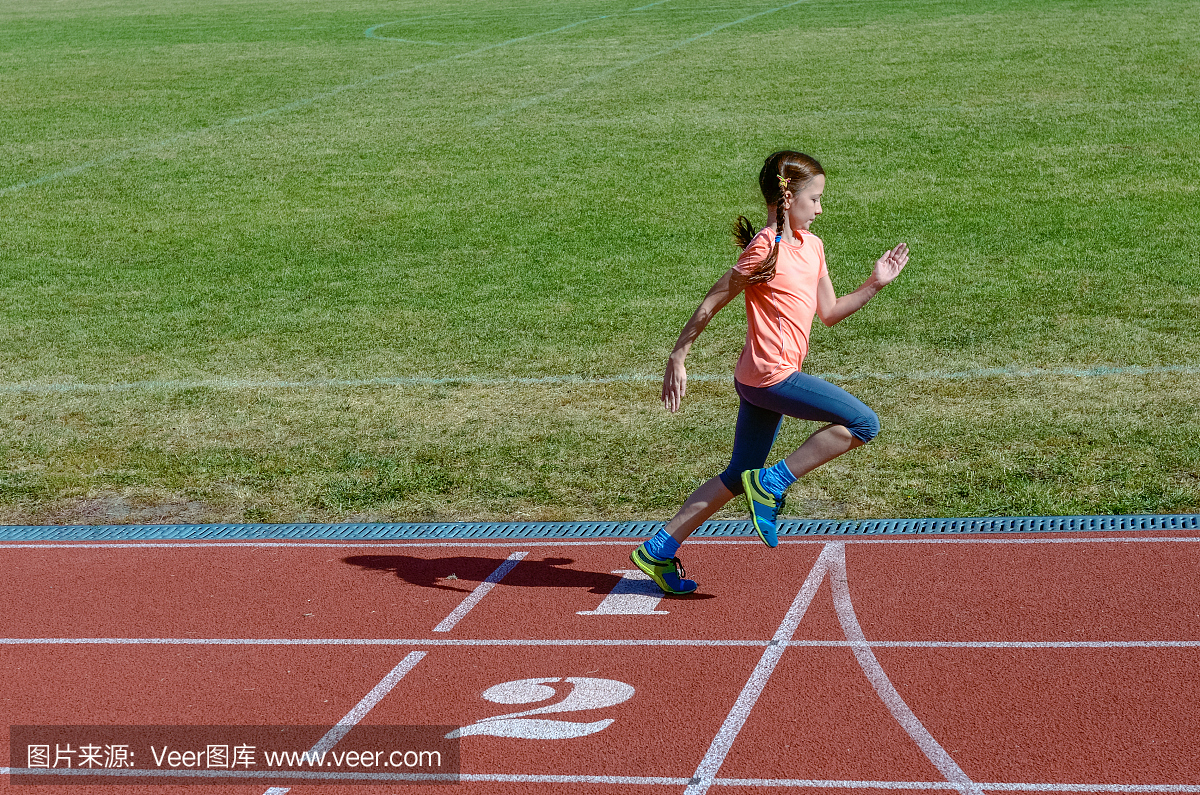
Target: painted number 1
x,y
586,693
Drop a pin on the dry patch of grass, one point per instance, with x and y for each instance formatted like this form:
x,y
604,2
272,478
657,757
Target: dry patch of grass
x,y
998,446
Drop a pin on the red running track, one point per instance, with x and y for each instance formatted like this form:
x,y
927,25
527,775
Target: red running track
x,y
1033,663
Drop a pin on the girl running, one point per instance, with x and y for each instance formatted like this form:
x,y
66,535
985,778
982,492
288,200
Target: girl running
x,y
782,272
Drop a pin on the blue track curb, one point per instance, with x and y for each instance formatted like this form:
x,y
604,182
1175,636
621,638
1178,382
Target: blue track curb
x,y
515,530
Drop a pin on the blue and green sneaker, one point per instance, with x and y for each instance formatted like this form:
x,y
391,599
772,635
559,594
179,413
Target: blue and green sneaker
x,y
765,507
667,574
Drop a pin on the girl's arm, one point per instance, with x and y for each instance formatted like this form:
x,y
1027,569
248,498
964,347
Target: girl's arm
x,y
675,379
832,309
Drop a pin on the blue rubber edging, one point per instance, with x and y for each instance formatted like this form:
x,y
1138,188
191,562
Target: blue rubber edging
x,y
523,530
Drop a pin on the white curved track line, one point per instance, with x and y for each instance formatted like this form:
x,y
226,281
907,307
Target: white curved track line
x,y
932,749
706,773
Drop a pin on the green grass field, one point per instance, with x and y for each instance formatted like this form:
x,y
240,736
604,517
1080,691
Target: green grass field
x,y
299,261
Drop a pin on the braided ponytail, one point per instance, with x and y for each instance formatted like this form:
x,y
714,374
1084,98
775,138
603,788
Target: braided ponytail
x,y
782,171
743,231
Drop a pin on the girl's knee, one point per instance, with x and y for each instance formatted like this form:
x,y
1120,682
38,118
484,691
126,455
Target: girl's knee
x,y
865,427
731,478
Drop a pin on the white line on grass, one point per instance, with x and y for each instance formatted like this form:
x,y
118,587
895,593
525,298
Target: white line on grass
x,y
244,384
706,772
610,71
372,32
291,106
480,591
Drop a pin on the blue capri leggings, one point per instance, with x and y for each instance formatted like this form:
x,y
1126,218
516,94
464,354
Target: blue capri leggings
x,y
802,396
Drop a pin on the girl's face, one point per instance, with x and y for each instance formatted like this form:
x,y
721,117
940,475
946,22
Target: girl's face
x,y
806,204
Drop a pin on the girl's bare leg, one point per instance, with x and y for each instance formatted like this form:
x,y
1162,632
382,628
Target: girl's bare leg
x,y
822,447
703,503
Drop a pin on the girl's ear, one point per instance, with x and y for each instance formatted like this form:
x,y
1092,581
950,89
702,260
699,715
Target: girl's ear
x,y
787,200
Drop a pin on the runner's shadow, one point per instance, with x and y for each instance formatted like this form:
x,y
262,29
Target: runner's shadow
x,y
470,571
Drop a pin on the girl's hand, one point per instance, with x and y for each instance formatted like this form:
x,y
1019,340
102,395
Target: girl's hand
x,y
674,384
888,266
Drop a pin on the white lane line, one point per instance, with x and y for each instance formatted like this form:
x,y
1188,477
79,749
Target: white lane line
x,y
945,785
932,749
351,719
773,783
534,778
1128,788
371,642
1019,644
706,772
360,710
874,644
480,591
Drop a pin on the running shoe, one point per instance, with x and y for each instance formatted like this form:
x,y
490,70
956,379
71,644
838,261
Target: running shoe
x,y
667,574
764,506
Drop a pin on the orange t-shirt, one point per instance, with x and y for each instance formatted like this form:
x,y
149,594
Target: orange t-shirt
x,y
779,313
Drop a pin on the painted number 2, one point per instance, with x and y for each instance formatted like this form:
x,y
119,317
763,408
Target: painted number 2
x,y
586,693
